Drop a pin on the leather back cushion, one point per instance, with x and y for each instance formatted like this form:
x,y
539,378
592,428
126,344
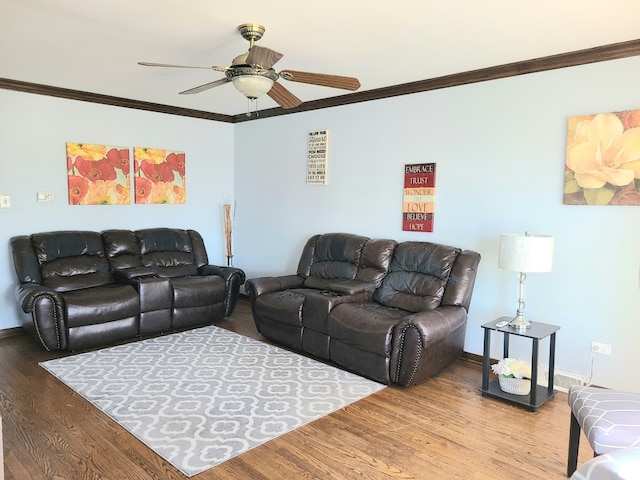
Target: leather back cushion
x,y
336,256
375,260
418,276
25,260
168,251
199,250
70,260
121,248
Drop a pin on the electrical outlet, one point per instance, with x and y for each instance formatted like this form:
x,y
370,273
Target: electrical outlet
x,y
5,201
46,197
603,348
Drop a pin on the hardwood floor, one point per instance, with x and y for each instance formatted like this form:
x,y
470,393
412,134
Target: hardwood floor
x,y
441,429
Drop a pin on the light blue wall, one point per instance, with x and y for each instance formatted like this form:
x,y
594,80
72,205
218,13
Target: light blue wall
x,y
499,149
33,132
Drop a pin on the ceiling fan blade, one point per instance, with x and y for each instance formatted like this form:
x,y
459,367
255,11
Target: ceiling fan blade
x,y
264,57
206,86
151,64
283,97
334,81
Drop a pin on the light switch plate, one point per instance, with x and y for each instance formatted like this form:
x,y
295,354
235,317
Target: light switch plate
x,y
5,201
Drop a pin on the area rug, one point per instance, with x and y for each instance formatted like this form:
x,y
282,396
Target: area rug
x,y
200,397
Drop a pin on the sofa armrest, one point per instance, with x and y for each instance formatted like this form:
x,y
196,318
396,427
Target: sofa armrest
x,y
225,272
426,342
154,292
434,326
127,275
46,308
259,286
348,287
233,279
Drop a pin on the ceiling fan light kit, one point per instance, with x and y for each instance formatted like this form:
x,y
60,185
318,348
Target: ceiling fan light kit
x,y
252,82
252,74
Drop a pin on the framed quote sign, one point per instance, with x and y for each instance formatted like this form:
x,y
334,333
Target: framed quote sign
x,y
419,192
317,157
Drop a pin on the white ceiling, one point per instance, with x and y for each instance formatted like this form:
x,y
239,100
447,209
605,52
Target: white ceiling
x,y
94,45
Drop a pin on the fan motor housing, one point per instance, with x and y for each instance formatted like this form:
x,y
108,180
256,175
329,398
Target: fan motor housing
x,y
237,71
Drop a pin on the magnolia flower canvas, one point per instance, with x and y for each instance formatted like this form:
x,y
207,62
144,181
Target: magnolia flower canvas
x,y
603,159
159,175
98,174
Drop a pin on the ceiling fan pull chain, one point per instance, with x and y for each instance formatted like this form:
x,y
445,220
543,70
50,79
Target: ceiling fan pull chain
x,y
255,102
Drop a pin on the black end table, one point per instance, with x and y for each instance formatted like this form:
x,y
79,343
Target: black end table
x,y
536,332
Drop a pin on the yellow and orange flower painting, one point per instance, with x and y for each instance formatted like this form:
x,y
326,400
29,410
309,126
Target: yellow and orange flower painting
x,y
159,175
98,174
603,159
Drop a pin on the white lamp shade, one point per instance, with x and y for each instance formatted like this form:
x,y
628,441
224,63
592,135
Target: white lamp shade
x,y
525,253
252,86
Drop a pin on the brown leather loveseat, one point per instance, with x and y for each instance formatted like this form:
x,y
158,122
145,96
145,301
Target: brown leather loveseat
x,y
80,289
392,312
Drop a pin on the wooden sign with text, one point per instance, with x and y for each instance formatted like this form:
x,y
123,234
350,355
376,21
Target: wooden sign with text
x,y
318,157
419,192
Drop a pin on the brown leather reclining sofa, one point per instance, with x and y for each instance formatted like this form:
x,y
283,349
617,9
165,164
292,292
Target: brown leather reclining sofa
x,y
392,312
80,289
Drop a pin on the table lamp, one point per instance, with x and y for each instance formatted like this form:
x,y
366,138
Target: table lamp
x,y
524,253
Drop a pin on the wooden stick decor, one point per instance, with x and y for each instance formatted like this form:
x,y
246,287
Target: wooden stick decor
x,y
227,231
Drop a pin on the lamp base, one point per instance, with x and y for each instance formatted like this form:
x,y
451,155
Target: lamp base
x,y
519,322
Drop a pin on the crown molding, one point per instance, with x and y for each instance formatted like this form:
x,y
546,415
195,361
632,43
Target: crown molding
x,y
571,59
20,86
603,53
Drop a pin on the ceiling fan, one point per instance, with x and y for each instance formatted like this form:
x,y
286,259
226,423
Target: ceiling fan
x,y
252,73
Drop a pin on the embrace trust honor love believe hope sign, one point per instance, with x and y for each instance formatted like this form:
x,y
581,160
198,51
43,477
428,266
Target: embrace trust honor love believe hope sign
x,y
419,192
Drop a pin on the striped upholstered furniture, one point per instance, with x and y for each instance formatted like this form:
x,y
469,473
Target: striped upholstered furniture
x,y
623,464
610,419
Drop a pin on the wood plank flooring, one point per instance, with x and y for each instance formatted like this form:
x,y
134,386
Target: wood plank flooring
x,y
441,429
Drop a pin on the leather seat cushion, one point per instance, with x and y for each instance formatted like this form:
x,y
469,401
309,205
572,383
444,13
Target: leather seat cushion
x,y
95,305
365,326
198,291
283,306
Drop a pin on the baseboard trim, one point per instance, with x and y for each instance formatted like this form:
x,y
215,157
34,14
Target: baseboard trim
x,y
471,357
11,332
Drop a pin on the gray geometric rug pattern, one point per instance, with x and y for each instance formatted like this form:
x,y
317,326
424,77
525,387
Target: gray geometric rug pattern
x,y
200,397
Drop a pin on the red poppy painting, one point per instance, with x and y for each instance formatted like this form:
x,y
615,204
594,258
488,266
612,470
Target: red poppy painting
x,y
98,174
159,175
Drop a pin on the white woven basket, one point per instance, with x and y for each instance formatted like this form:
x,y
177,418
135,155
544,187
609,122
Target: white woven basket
x,y
516,386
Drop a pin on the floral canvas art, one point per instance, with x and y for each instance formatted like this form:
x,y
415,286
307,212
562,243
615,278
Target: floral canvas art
x,y
159,176
603,159
98,174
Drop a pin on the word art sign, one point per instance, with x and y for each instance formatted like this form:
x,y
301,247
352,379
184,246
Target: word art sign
x,y
318,157
419,191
